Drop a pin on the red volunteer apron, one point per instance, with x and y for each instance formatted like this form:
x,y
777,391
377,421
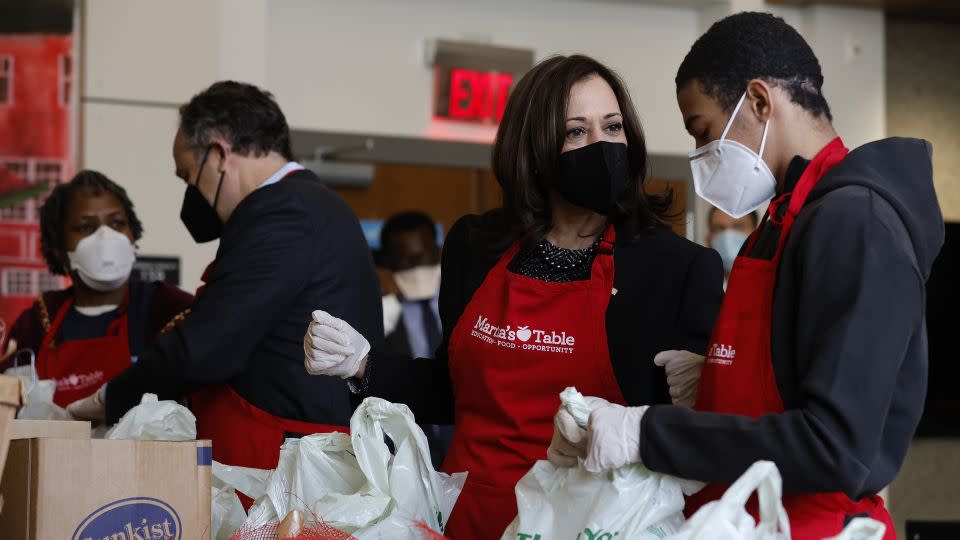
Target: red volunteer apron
x,y
518,344
738,376
80,367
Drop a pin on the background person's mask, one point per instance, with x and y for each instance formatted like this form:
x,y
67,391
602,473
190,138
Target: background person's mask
x,y
104,259
728,244
418,283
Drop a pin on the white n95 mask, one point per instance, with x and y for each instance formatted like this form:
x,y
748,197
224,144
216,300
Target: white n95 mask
x,y
728,243
104,259
731,176
418,283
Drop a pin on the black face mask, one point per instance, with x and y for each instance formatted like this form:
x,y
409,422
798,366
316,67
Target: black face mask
x,y
594,176
200,218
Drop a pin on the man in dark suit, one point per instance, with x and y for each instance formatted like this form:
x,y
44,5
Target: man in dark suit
x,y
287,246
410,252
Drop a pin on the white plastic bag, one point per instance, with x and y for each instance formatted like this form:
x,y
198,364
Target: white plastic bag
x,y
39,397
862,529
402,487
355,484
308,470
726,519
154,420
226,511
571,502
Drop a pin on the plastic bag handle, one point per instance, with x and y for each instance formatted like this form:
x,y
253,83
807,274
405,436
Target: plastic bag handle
x,y
33,366
762,477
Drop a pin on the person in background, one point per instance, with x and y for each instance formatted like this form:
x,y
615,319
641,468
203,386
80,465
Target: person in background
x,y
818,360
85,335
575,281
408,247
727,235
287,245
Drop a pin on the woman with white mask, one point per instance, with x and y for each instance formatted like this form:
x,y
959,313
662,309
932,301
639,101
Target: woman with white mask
x,y
86,334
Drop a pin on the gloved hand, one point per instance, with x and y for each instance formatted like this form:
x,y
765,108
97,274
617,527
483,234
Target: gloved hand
x,y
613,437
570,439
683,375
91,408
333,347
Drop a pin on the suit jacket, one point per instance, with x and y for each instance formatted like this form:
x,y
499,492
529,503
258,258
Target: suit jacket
x,y
288,249
397,342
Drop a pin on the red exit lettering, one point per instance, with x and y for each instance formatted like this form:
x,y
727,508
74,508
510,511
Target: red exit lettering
x,y
478,96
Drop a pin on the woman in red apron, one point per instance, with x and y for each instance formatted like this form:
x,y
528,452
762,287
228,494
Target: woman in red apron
x,y
566,298
85,335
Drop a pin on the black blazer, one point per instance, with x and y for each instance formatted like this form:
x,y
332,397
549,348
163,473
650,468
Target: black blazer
x,y
397,343
669,292
288,249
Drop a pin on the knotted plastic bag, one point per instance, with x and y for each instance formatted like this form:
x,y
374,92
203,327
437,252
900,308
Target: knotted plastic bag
x,y
154,420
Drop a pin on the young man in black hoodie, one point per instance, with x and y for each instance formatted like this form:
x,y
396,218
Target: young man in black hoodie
x,y
818,361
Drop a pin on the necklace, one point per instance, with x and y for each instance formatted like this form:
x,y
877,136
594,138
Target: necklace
x,y
548,262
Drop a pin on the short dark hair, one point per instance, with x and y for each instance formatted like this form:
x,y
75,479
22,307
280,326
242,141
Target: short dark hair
x,y
54,212
530,137
410,220
241,113
752,215
752,45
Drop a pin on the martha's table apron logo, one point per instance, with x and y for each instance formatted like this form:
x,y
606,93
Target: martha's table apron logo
x,y
721,354
79,381
523,337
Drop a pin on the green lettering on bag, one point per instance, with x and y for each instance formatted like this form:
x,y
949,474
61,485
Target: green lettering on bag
x,y
598,534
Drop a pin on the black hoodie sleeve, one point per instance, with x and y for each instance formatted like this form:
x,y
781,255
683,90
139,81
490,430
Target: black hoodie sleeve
x,y
860,298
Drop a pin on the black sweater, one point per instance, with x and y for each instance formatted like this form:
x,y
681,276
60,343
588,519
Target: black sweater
x,y
288,249
669,292
848,338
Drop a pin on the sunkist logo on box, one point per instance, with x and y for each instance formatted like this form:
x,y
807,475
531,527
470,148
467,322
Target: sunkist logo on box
x,y
137,518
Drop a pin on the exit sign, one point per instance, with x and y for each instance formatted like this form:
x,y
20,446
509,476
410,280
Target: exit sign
x,y
472,81
474,95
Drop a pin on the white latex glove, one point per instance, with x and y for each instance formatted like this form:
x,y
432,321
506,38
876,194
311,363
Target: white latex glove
x,y
613,437
683,375
570,439
333,347
90,408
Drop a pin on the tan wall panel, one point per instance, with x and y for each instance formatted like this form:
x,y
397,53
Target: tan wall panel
x,y
923,97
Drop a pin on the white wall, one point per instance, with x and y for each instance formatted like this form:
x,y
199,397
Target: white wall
x,y
358,67
158,53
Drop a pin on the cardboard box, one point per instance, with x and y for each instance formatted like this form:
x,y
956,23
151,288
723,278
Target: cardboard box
x,y
11,391
98,489
49,429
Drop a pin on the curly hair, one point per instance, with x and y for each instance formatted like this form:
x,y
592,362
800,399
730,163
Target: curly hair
x,y
529,140
241,113
53,213
752,45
